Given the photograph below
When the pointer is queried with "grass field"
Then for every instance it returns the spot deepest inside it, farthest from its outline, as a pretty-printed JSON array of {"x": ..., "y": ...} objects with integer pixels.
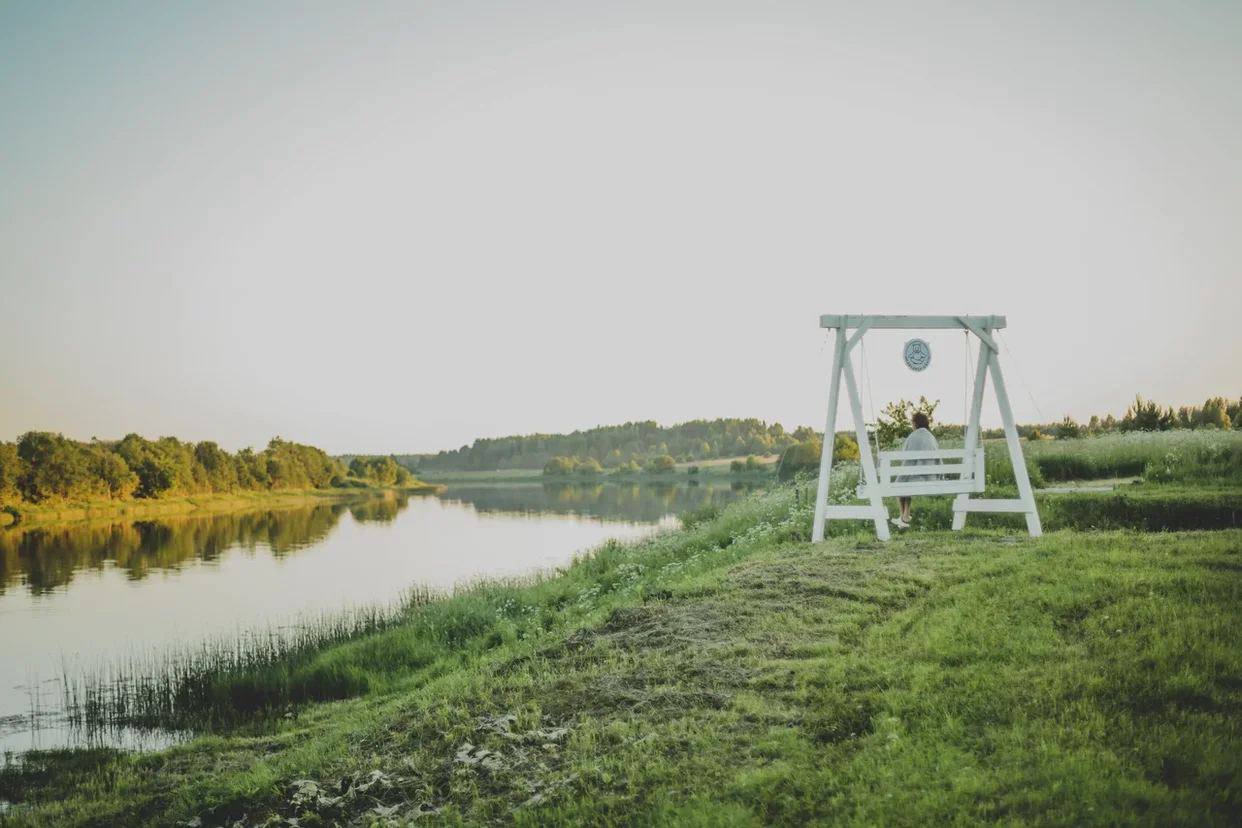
[{"x": 731, "y": 673}]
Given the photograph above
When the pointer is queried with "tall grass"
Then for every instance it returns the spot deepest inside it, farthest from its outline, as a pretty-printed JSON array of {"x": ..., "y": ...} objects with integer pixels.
[
  {"x": 220, "y": 680},
  {"x": 1202, "y": 456}
]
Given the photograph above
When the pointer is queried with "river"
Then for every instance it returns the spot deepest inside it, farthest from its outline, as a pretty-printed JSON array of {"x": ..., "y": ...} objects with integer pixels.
[{"x": 75, "y": 598}]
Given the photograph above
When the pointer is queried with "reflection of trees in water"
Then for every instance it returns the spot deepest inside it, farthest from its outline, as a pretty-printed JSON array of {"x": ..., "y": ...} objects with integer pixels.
[
  {"x": 48, "y": 558},
  {"x": 379, "y": 510},
  {"x": 639, "y": 502}
]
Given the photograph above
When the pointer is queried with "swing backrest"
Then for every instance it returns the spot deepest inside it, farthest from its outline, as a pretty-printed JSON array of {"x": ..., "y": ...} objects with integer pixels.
[{"x": 952, "y": 471}]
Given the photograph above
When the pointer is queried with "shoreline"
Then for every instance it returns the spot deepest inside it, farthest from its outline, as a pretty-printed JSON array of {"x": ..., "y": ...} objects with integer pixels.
[{"x": 81, "y": 512}]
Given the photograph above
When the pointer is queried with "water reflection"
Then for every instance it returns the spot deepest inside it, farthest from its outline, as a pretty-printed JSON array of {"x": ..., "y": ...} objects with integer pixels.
[
  {"x": 640, "y": 502},
  {"x": 48, "y": 559}
]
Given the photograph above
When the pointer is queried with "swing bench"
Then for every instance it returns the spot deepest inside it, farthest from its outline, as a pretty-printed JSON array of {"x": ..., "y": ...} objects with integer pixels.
[
  {"x": 950, "y": 471},
  {"x": 957, "y": 472}
]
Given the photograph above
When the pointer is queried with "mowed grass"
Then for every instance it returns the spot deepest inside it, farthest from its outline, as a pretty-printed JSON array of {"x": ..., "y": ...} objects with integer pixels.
[{"x": 733, "y": 674}]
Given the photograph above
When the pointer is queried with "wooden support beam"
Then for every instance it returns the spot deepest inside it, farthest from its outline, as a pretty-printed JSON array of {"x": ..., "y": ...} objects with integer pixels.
[
  {"x": 994, "y": 505},
  {"x": 830, "y": 432},
  {"x": 909, "y": 322}
]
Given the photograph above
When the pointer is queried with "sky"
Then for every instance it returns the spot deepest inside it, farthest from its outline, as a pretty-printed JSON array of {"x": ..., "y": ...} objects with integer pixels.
[{"x": 396, "y": 227}]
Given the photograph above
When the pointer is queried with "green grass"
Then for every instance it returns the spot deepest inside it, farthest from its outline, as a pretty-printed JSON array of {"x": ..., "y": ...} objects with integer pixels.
[
  {"x": 1162, "y": 456},
  {"x": 732, "y": 673}
]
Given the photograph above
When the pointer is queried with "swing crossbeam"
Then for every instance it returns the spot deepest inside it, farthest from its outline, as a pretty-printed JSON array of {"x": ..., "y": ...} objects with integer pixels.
[{"x": 953, "y": 471}]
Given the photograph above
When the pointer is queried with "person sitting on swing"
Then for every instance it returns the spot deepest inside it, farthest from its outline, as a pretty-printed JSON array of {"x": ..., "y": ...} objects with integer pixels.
[{"x": 920, "y": 439}]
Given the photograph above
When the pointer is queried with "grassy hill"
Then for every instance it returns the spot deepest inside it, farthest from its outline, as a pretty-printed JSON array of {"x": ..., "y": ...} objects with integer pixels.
[{"x": 732, "y": 673}]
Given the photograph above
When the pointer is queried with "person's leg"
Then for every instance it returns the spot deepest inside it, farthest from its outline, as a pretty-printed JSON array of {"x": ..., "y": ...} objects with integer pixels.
[{"x": 905, "y": 508}]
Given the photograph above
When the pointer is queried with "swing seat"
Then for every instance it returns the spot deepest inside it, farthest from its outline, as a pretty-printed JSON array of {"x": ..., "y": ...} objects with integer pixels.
[{"x": 952, "y": 471}]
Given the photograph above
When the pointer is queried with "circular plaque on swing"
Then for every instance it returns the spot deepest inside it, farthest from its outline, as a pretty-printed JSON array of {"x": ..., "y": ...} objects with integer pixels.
[{"x": 917, "y": 354}]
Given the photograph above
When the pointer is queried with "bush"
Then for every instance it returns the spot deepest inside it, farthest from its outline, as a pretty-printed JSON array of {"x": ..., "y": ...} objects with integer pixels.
[
  {"x": 804, "y": 457},
  {"x": 559, "y": 465},
  {"x": 663, "y": 463}
]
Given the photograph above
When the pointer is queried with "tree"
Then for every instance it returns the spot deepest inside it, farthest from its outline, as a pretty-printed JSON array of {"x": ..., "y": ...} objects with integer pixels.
[
  {"x": 663, "y": 463},
  {"x": 589, "y": 467},
  {"x": 10, "y": 471},
  {"x": 1215, "y": 414},
  {"x": 805, "y": 457},
  {"x": 894, "y": 422},
  {"x": 113, "y": 472},
  {"x": 220, "y": 470},
  {"x": 54, "y": 467},
  {"x": 1067, "y": 429},
  {"x": 559, "y": 465},
  {"x": 1145, "y": 415}
]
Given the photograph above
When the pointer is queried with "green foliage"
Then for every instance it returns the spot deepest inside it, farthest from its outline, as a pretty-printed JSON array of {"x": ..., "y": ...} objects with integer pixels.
[
  {"x": 559, "y": 465},
  {"x": 1068, "y": 429},
  {"x": 44, "y": 466},
  {"x": 589, "y": 467},
  {"x": 613, "y": 446},
  {"x": 661, "y": 464},
  {"x": 382, "y": 471},
  {"x": 1145, "y": 415},
  {"x": 894, "y": 423},
  {"x": 10, "y": 473},
  {"x": 54, "y": 467},
  {"x": 803, "y": 458}
]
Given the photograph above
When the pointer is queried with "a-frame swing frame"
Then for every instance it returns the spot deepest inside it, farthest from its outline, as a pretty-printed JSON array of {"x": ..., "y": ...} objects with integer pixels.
[{"x": 849, "y": 331}]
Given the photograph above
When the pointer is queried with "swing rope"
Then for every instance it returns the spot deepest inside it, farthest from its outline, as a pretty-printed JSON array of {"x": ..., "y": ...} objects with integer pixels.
[
  {"x": 1021, "y": 378},
  {"x": 874, "y": 429}
]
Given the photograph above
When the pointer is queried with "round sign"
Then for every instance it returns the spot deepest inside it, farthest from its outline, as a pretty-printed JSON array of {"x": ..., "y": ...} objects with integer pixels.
[{"x": 917, "y": 354}]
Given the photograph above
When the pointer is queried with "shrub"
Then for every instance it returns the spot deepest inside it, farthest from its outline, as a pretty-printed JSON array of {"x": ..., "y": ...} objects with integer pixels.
[
  {"x": 663, "y": 463},
  {"x": 559, "y": 465},
  {"x": 804, "y": 457}
]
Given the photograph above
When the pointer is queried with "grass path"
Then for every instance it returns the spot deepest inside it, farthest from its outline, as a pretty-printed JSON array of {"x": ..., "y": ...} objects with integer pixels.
[{"x": 732, "y": 675}]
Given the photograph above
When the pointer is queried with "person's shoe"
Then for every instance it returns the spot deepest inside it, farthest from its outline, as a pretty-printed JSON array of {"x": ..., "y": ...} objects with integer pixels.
[{"x": 899, "y": 523}]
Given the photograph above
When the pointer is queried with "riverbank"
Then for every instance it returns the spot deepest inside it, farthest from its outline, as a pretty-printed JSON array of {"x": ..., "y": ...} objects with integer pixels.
[
  {"x": 69, "y": 512},
  {"x": 731, "y": 672}
]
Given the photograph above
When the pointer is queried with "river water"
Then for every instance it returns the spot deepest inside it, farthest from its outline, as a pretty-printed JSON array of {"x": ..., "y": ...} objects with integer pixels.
[{"x": 76, "y": 598}]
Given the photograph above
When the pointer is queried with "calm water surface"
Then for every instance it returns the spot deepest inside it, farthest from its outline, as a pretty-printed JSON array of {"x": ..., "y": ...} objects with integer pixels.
[{"x": 72, "y": 599}]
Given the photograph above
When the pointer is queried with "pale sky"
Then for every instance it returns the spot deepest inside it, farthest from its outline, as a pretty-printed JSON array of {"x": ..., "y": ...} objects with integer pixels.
[{"x": 384, "y": 227}]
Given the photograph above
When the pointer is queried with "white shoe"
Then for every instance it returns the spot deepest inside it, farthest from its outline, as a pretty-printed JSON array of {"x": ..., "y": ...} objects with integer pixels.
[{"x": 899, "y": 523}]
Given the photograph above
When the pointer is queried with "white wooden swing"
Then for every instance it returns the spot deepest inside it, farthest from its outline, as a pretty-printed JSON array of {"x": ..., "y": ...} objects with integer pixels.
[{"x": 955, "y": 471}]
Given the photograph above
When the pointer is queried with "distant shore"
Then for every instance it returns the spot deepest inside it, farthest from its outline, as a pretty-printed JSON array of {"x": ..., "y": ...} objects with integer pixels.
[
  {"x": 78, "y": 511},
  {"x": 716, "y": 470}
]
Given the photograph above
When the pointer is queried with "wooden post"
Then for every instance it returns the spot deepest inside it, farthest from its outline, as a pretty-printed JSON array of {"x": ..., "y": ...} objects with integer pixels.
[
  {"x": 972, "y": 428},
  {"x": 864, "y": 452},
  {"x": 830, "y": 430},
  {"x": 1025, "y": 496}
]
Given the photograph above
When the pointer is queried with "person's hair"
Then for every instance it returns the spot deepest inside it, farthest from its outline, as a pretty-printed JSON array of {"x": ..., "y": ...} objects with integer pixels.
[{"x": 921, "y": 420}]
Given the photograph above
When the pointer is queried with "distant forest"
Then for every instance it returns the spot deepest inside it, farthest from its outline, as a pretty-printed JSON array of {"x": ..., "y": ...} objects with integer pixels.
[
  {"x": 639, "y": 443},
  {"x": 43, "y": 466},
  {"x": 614, "y": 446}
]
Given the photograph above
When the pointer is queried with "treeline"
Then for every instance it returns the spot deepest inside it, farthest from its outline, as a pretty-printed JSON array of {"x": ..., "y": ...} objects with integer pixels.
[
  {"x": 893, "y": 422},
  {"x": 614, "y": 447},
  {"x": 43, "y": 466},
  {"x": 1145, "y": 415}
]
